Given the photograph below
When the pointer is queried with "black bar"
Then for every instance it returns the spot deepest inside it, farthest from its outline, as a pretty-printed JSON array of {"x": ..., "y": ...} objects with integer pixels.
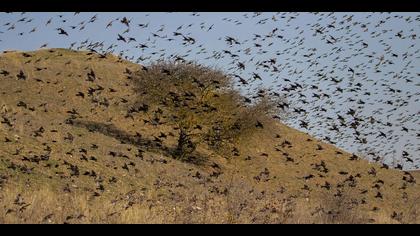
[{"x": 210, "y": 5}]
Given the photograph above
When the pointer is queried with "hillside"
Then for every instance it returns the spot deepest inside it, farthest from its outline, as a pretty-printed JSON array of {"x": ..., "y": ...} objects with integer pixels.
[{"x": 69, "y": 153}]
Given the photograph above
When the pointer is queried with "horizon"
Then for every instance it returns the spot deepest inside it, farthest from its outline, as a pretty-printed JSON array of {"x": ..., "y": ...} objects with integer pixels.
[{"x": 309, "y": 50}]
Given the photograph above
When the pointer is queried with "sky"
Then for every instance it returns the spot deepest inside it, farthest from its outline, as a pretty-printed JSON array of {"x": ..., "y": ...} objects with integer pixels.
[{"x": 368, "y": 62}]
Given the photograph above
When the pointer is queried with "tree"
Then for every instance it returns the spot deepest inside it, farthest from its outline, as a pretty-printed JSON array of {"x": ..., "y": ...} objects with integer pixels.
[{"x": 199, "y": 101}]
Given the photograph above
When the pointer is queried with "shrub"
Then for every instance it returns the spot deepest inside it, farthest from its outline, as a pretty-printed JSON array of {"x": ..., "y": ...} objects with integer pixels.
[{"x": 200, "y": 102}]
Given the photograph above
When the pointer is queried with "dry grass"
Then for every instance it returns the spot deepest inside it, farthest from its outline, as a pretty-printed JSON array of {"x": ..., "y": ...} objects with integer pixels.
[
  {"x": 45, "y": 206},
  {"x": 107, "y": 171}
]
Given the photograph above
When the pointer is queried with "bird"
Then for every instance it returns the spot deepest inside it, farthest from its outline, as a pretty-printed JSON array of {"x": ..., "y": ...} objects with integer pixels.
[
  {"x": 21, "y": 75},
  {"x": 336, "y": 84},
  {"x": 62, "y": 32},
  {"x": 4, "y": 73},
  {"x": 125, "y": 21},
  {"x": 259, "y": 125},
  {"x": 121, "y": 38},
  {"x": 91, "y": 76}
]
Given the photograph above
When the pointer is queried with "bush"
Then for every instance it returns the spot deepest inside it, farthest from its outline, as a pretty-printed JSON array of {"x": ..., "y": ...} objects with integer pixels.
[{"x": 200, "y": 102}]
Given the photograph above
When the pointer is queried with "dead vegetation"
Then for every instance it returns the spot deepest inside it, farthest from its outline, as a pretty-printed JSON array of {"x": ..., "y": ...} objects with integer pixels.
[
  {"x": 201, "y": 103},
  {"x": 107, "y": 156}
]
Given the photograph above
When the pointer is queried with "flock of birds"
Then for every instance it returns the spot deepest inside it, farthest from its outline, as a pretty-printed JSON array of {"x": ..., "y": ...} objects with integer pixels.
[{"x": 349, "y": 79}]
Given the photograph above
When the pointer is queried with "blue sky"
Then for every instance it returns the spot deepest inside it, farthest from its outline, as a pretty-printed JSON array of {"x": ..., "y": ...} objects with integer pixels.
[{"x": 309, "y": 49}]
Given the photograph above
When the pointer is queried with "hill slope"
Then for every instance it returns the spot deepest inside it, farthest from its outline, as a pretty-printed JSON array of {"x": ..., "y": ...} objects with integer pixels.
[{"x": 69, "y": 153}]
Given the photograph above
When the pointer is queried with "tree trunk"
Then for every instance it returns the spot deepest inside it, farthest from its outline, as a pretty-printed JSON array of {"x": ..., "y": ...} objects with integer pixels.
[{"x": 185, "y": 145}]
